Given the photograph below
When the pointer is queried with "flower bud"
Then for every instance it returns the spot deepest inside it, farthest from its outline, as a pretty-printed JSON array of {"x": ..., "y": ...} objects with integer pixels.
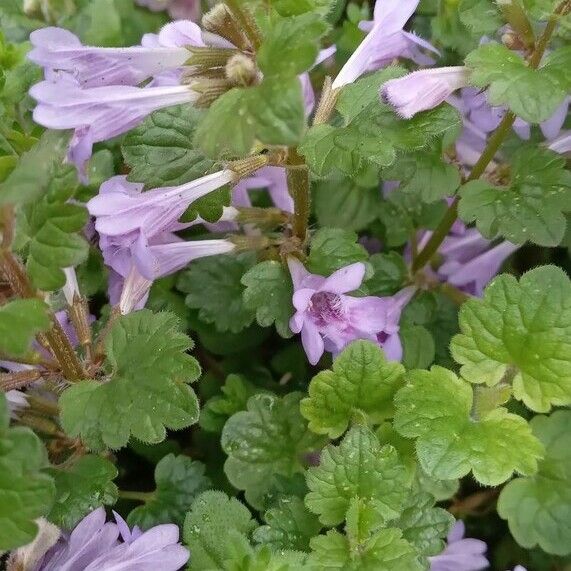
[
  {"x": 241, "y": 70},
  {"x": 220, "y": 21}
]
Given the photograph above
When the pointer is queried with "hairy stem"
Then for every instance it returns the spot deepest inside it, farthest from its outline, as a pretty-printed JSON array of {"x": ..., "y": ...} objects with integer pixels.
[
  {"x": 55, "y": 338},
  {"x": 489, "y": 152},
  {"x": 298, "y": 187}
]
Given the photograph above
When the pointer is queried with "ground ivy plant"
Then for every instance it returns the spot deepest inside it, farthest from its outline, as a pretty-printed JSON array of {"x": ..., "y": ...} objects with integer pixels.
[{"x": 284, "y": 285}]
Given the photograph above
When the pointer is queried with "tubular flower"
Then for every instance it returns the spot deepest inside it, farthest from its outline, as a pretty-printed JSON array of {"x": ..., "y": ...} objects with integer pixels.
[
  {"x": 424, "y": 89},
  {"x": 328, "y": 320},
  {"x": 95, "y": 544},
  {"x": 161, "y": 259},
  {"x": 57, "y": 49},
  {"x": 461, "y": 554},
  {"x": 272, "y": 178},
  {"x": 98, "y": 113},
  {"x": 385, "y": 41},
  {"x": 121, "y": 209},
  {"x": 468, "y": 260}
]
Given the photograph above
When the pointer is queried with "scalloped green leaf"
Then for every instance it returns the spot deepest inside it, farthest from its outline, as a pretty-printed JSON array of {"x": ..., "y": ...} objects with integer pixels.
[
  {"x": 361, "y": 382},
  {"x": 520, "y": 330},
  {"x": 538, "y": 508},
  {"x": 435, "y": 407},
  {"x": 147, "y": 391}
]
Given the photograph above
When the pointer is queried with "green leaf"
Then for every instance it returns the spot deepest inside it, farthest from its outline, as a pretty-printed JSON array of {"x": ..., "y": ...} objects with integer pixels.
[
  {"x": 385, "y": 550},
  {"x": 362, "y": 382},
  {"x": 481, "y": 17},
  {"x": 50, "y": 233},
  {"x": 532, "y": 94},
  {"x": 288, "y": 525},
  {"x": 25, "y": 492},
  {"x": 530, "y": 208},
  {"x": 217, "y": 530},
  {"x": 20, "y": 320},
  {"x": 343, "y": 204},
  {"x": 214, "y": 287},
  {"x": 35, "y": 170},
  {"x": 271, "y": 113},
  {"x": 179, "y": 480},
  {"x": 520, "y": 330},
  {"x": 371, "y": 132},
  {"x": 269, "y": 438},
  {"x": 359, "y": 468},
  {"x": 333, "y": 248},
  {"x": 147, "y": 391},
  {"x": 418, "y": 346},
  {"x": 439, "y": 315},
  {"x": 86, "y": 485},
  {"x": 217, "y": 410},
  {"x": 424, "y": 525},
  {"x": 402, "y": 213},
  {"x": 160, "y": 150},
  {"x": 538, "y": 509},
  {"x": 209, "y": 207},
  {"x": 390, "y": 272},
  {"x": 425, "y": 175},
  {"x": 269, "y": 293},
  {"x": 294, "y": 7},
  {"x": 291, "y": 45},
  {"x": 435, "y": 407}
]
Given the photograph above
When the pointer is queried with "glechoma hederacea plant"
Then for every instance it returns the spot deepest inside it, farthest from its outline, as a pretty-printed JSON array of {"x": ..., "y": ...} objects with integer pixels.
[{"x": 283, "y": 285}]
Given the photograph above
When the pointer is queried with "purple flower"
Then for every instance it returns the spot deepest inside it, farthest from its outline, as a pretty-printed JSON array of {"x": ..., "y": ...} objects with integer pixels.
[
  {"x": 385, "y": 41},
  {"x": 561, "y": 144},
  {"x": 460, "y": 554},
  {"x": 94, "y": 545},
  {"x": 328, "y": 320},
  {"x": 272, "y": 178},
  {"x": 306, "y": 87},
  {"x": 57, "y": 49},
  {"x": 130, "y": 293},
  {"x": 98, "y": 113},
  {"x": 469, "y": 261},
  {"x": 424, "y": 89},
  {"x": 177, "y": 9},
  {"x": 122, "y": 213},
  {"x": 16, "y": 400},
  {"x": 473, "y": 104},
  {"x": 155, "y": 260}
]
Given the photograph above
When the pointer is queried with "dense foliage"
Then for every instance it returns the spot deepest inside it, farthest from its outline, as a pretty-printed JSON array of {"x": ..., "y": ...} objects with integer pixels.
[{"x": 284, "y": 283}]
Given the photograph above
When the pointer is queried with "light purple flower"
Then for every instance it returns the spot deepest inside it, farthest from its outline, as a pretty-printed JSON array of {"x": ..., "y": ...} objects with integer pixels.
[
  {"x": 129, "y": 293},
  {"x": 98, "y": 113},
  {"x": 306, "y": 87},
  {"x": 329, "y": 320},
  {"x": 155, "y": 260},
  {"x": 272, "y": 178},
  {"x": 94, "y": 545},
  {"x": 177, "y": 9},
  {"x": 461, "y": 554},
  {"x": 469, "y": 261},
  {"x": 561, "y": 144},
  {"x": 385, "y": 41},
  {"x": 122, "y": 212},
  {"x": 17, "y": 400},
  {"x": 57, "y": 49},
  {"x": 424, "y": 89},
  {"x": 519, "y": 568}
]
